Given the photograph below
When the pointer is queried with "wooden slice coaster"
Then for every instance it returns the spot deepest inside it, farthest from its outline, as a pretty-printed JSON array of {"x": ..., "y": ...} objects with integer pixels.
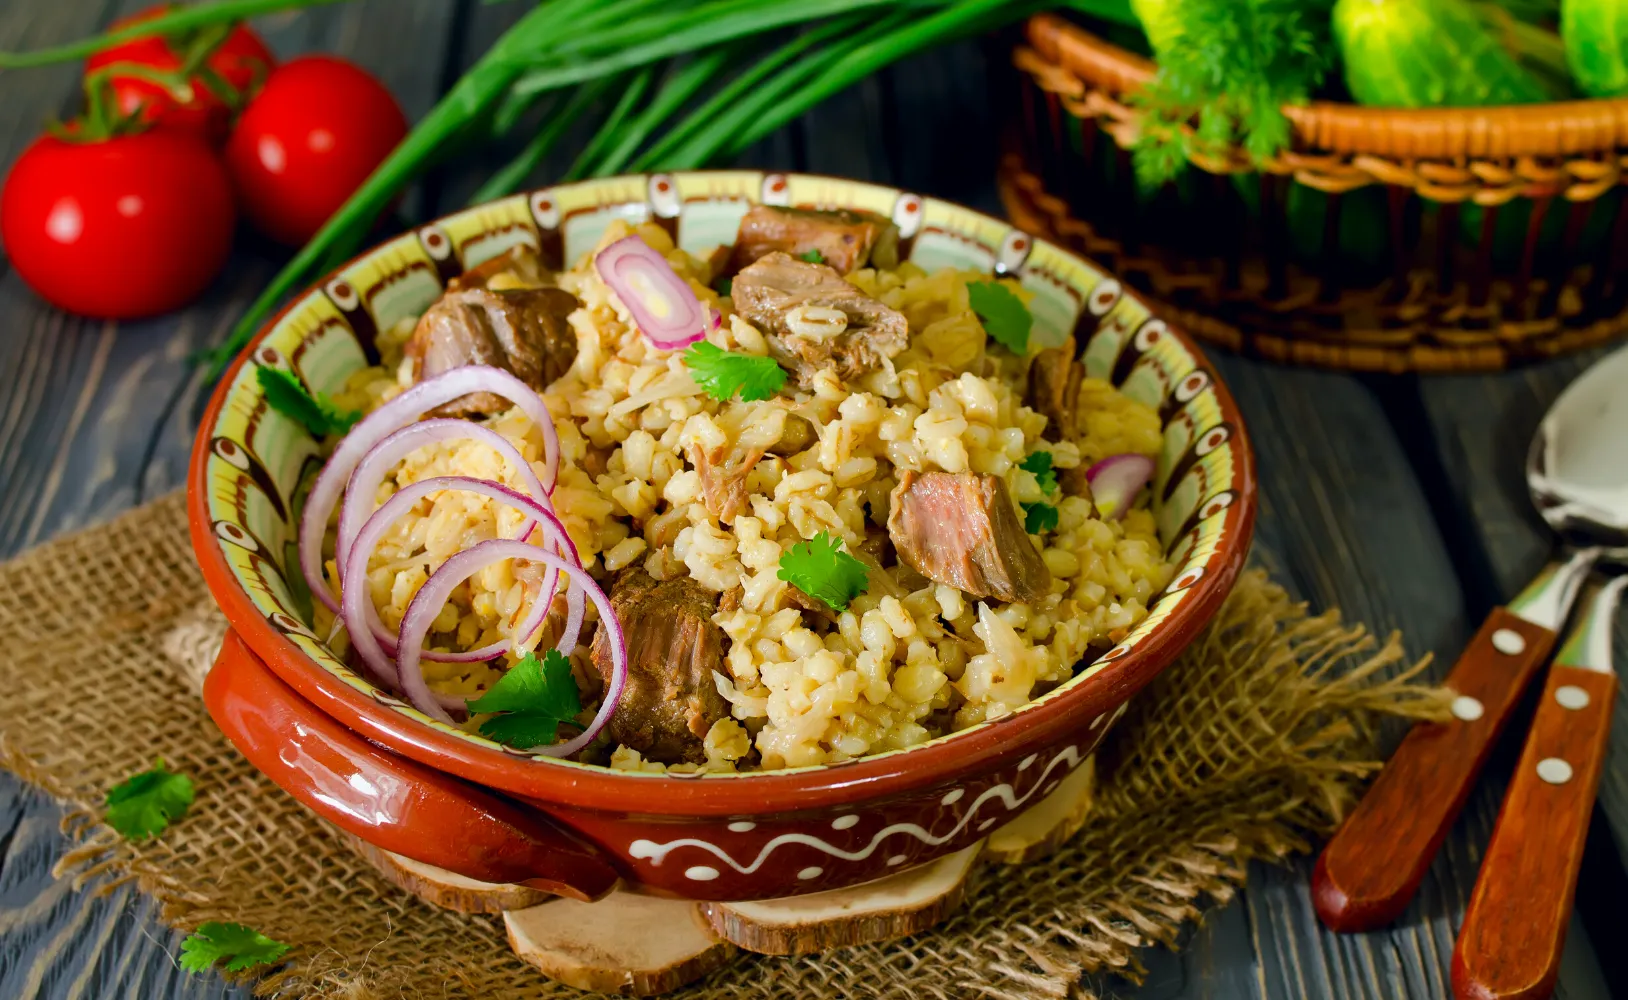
[
  {"x": 1049, "y": 823},
  {"x": 443, "y": 888},
  {"x": 588, "y": 946},
  {"x": 889, "y": 908},
  {"x": 626, "y": 943}
]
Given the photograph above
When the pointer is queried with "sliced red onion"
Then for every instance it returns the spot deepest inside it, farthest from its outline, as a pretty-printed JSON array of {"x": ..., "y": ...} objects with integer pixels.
[
  {"x": 370, "y": 472},
  {"x": 406, "y": 409},
  {"x": 427, "y": 603},
  {"x": 367, "y": 633},
  {"x": 663, "y": 306},
  {"x": 1116, "y": 480}
]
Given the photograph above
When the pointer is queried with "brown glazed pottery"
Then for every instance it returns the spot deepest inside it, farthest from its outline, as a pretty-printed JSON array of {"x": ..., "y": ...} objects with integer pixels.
[{"x": 370, "y": 763}]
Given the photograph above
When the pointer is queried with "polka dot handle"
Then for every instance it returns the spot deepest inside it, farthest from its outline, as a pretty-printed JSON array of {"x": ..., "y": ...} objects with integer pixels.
[
  {"x": 1515, "y": 925},
  {"x": 1372, "y": 867}
]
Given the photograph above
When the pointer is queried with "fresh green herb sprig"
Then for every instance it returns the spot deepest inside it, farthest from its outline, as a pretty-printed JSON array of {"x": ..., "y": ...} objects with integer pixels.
[
  {"x": 239, "y": 947},
  {"x": 724, "y": 374},
  {"x": 530, "y": 701},
  {"x": 1002, "y": 313},
  {"x": 821, "y": 569},
  {"x": 1039, "y": 518},
  {"x": 812, "y": 257},
  {"x": 287, "y": 396},
  {"x": 147, "y": 803},
  {"x": 1230, "y": 65},
  {"x": 1039, "y": 463}
]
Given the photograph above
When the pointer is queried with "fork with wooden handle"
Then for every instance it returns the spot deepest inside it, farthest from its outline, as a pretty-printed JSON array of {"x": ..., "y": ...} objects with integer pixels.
[
  {"x": 1515, "y": 925},
  {"x": 1372, "y": 867}
]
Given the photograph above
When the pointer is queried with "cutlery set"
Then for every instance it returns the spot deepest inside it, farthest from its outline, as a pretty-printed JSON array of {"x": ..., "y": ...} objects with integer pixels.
[{"x": 1514, "y": 926}]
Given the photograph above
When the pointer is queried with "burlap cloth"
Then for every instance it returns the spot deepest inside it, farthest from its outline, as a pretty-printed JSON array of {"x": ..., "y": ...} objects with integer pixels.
[{"x": 1253, "y": 743}]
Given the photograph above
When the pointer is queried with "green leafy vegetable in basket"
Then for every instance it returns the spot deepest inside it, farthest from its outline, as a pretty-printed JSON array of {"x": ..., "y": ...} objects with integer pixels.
[
  {"x": 1427, "y": 53},
  {"x": 1596, "y": 38},
  {"x": 1226, "y": 68}
]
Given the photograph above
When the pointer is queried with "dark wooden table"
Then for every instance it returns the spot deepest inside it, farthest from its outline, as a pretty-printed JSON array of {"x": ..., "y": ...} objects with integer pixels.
[{"x": 1397, "y": 499}]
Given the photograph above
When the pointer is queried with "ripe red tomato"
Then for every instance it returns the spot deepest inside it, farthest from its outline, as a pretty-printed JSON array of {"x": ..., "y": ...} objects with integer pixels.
[
  {"x": 242, "y": 61},
  {"x": 315, "y": 132},
  {"x": 128, "y": 227}
]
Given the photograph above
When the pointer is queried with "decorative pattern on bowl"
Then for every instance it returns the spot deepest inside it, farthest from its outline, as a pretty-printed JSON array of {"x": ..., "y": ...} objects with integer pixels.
[{"x": 252, "y": 464}]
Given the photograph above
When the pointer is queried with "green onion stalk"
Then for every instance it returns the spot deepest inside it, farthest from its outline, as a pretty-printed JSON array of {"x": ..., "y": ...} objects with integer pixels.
[{"x": 658, "y": 56}]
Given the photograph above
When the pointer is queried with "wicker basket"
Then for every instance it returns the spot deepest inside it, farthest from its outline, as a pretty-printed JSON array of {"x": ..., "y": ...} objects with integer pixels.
[{"x": 1383, "y": 240}]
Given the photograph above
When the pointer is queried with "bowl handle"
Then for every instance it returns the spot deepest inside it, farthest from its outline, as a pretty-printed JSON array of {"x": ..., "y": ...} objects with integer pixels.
[{"x": 388, "y": 800}]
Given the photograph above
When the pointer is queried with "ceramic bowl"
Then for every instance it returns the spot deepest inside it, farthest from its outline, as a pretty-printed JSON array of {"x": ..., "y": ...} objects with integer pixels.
[{"x": 373, "y": 765}]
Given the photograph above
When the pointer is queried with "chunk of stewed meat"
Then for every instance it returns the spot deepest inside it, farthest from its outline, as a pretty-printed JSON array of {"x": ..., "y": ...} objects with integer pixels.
[
  {"x": 845, "y": 240},
  {"x": 1054, "y": 390},
  {"x": 671, "y": 699},
  {"x": 522, "y": 330},
  {"x": 814, "y": 320},
  {"x": 960, "y": 529},
  {"x": 723, "y": 480},
  {"x": 518, "y": 267}
]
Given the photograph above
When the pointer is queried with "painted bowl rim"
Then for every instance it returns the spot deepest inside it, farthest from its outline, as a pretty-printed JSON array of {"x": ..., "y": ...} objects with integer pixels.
[{"x": 1044, "y": 722}]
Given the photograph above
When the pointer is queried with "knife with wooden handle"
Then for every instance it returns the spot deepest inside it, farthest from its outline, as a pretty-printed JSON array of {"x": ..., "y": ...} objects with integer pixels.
[
  {"x": 1372, "y": 868},
  {"x": 1509, "y": 946}
]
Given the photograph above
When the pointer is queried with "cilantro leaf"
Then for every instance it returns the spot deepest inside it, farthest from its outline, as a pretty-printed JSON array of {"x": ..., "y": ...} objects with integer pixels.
[
  {"x": 1002, "y": 313},
  {"x": 724, "y": 287},
  {"x": 721, "y": 374},
  {"x": 531, "y": 700},
  {"x": 287, "y": 396},
  {"x": 144, "y": 805},
  {"x": 1039, "y": 518},
  {"x": 1039, "y": 463},
  {"x": 822, "y": 570},
  {"x": 241, "y": 947},
  {"x": 812, "y": 256},
  {"x": 522, "y": 730}
]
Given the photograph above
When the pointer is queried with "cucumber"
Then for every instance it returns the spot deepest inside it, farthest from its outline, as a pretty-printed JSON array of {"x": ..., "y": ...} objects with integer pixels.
[
  {"x": 1426, "y": 53},
  {"x": 1596, "y": 37}
]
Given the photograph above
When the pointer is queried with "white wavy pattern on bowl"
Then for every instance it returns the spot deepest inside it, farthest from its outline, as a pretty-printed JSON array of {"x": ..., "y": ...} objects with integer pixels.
[
  {"x": 1001, "y": 793},
  {"x": 261, "y": 463}
]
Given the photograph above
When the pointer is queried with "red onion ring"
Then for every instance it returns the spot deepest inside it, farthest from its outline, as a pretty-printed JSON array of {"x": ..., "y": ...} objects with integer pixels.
[
  {"x": 357, "y": 503},
  {"x": 387, "y": 641},
  {"x": 406, "y": 409},
  {"x": 1116, "y": 480},
  {"x": 361, "y": 618},
  {"x": 427, "y": 603},
  {"x": 662, "y": 304}
]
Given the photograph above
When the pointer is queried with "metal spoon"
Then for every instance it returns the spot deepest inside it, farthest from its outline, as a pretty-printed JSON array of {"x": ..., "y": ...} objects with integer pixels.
[{"x": 1578, "y": 475}]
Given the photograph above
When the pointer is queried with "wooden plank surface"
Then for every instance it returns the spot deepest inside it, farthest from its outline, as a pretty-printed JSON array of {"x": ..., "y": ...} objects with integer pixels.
[{"x": 95, "y": 417}]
